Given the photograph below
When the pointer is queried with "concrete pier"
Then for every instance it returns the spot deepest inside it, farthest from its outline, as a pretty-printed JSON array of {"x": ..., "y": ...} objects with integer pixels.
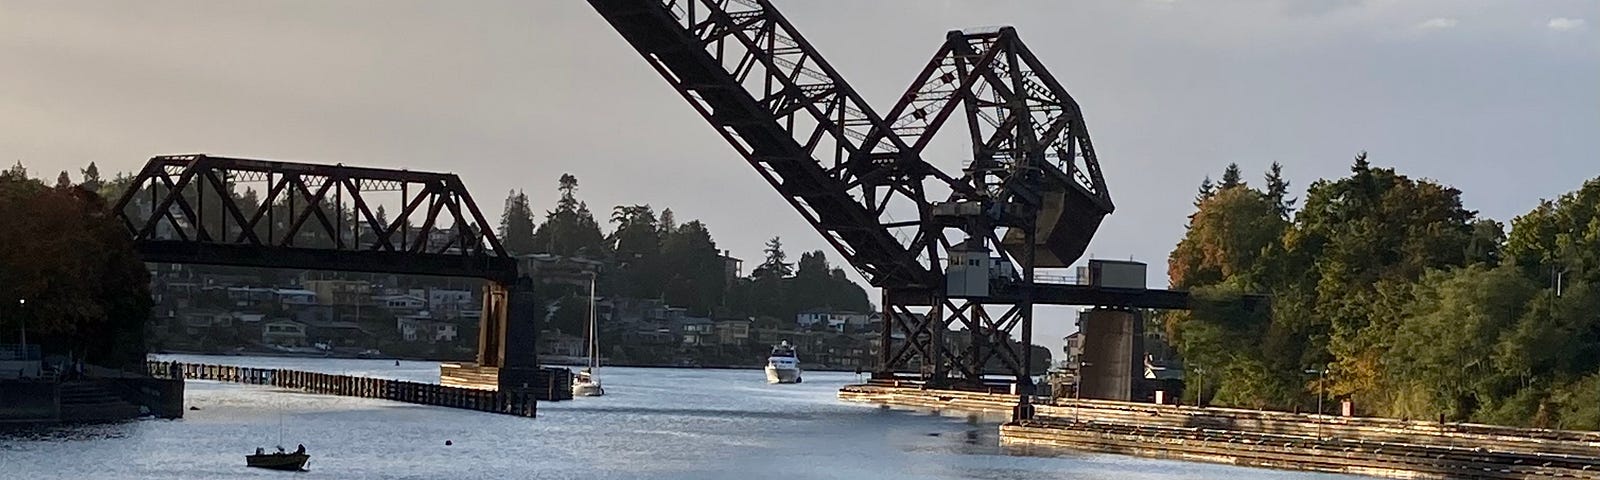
[
  {"x": 517, "y": 403},
  {"x": 1324, "y": 443}
]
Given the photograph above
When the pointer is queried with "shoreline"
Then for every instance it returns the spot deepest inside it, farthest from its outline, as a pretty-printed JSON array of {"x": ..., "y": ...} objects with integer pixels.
[{"x": 341, "y": 356}]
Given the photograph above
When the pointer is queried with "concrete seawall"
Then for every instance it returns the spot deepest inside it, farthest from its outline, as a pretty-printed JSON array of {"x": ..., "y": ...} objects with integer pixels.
[
  {"x": 29, "y": 401},
  {"x": 1356, "y": 445}
]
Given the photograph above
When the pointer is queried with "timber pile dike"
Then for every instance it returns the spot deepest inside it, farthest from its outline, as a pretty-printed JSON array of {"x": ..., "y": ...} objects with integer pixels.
[
  {"x": 1353, "y": 445},
  {"x": 522, "y": 404}
]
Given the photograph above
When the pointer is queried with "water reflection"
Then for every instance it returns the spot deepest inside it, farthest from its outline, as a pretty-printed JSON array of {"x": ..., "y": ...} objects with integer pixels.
[{"x": 653, "y": 423}]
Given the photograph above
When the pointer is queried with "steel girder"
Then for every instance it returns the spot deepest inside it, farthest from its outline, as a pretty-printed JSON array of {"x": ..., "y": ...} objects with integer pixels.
[
  {"x": 185, "y": 209},
  {"x": 847, "y": 170}
]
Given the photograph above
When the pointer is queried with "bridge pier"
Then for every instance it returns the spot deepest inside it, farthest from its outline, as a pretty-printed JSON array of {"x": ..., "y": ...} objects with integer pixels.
[{"x": 508, "y": 358}]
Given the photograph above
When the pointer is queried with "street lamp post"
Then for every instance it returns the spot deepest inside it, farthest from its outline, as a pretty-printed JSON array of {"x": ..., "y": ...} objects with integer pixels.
[
  {"x": 22, "y": 321},
  {"x": 1077, "y": 390},
  {"x": 1321, "y": 388}
]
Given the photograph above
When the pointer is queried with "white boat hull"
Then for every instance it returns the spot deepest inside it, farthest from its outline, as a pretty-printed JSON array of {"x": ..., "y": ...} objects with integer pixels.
[
  {"x": 587, "y": 390},
  {"x": 783, "y": 375}
]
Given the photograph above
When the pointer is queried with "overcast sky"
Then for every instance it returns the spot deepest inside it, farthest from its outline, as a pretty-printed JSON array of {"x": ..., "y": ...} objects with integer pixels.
[{"x": 1500, "y": 99}]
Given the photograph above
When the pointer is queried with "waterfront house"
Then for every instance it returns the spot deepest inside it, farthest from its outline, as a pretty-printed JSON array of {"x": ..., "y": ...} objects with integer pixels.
[
  {"x": 405, "y": 303},
  {"x": 832, "y": 319},
  {"x": 422, "y": 327},
  {"x": 294, "y": 297},
  {"x": 733, "y": 331},
  {"x": 696, "y": 331},
  {"x": 341, "y": 292},
  {"x": 287, "y": 333},
  {"x": 559, "y": 344},
  {"x": 338, "y": 334}
]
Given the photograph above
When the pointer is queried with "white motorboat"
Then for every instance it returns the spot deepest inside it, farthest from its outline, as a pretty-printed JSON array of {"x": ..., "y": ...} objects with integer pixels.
[
  {"x": 782, "y": 365},
  {"x": 587, "y": 383}
]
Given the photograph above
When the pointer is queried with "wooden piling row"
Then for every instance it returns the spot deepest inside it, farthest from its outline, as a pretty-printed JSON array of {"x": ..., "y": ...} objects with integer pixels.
[{"x": 522, "y": 404}]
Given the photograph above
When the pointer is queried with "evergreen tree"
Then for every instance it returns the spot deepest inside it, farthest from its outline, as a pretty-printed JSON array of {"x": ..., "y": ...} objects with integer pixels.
[
  {"x": 668, "y": 222},
  {"x": 693, "y": 268},
  {"x": 1207, "y": 189},
  {"x": 570, "y": 229},
  {"x": 91, "y": 178},
  {"x": 63, "y": 181},
  {"x": 637, "y": 244},
  {"x": 516, "y": 225},
  {"x": 1231, "y": 177},
  {"x": 774, "y": 266},
  {"x": 1278, "y": 190}
]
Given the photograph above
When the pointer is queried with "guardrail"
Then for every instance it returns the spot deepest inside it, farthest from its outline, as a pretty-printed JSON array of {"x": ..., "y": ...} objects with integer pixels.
[
  {"x": 518, "y": 403},
  {"x": 12, "y": 351}
]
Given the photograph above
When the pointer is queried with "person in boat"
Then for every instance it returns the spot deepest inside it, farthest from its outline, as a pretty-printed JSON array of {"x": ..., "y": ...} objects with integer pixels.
[
  {"x": 261, "y": 451},
  {"x": 280, "y": 449},
  {"x": 301, "y": 450}
]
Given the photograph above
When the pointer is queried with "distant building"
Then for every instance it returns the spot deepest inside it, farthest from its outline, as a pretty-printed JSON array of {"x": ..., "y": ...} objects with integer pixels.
[
  {"x": 561, "y": 344},
  {"x": 552, "y": 268},
  {"x": 732, "y": 331},
  {"x": 835, "y": 320},
  {"x": 338, "y": 334},
  {"x": 451, "y": 302},
  {"x": 251, "y": 296},
  {"x": 287, "y": 333},
  {"x": 401, "y": 303},
  {"x": 293, "y": 297},
  {"x": 202, "y": 321},
  {"x": 732, "y": 268},
  {"x": 341, "y": 292},
  {"x": 696, "y": 331},
  {"x": 1073, "y": 347},
  {"x": 424, "y": 328}
]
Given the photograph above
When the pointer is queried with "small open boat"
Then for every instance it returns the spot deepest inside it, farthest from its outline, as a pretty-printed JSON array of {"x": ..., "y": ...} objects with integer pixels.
[{"x": 279, "y": 460}]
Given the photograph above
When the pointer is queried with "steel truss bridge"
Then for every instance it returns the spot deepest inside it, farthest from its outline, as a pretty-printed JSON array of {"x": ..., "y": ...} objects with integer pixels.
[
  {"x": 188, "y": 209},
  {"x": 1031, "y": 196}
]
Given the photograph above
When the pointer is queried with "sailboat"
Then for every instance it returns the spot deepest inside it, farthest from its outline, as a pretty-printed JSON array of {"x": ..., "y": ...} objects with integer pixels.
[
  {"x": 587, "y": 383},
  {"x": 279, "y": 460}
]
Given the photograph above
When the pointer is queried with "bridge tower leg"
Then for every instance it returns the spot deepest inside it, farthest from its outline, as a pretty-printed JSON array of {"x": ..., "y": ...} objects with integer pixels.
[{"x": 508, "y": 333}]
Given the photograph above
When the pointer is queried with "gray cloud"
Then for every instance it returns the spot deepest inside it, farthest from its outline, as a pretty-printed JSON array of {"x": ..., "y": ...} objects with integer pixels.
[{"x": 1562, "y": 24}]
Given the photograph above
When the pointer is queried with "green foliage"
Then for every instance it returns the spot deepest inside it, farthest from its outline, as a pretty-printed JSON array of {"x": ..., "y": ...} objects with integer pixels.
[
  {"x": 1446, "y": 338},
  {"x": 1415, "y": 307},
  {"x": 570, "y": 229},
  {"x": 775, "y": 265},
  {"x": 516, "y": 225},
  {"x": 86, "y": 290},
  {"x": 1278, "y": 191},
  {"x": 694, "y": 268},
  {"x": 1231, "y": 178}
]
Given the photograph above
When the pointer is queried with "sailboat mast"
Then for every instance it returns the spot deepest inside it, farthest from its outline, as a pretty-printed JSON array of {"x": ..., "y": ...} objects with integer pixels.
[{"x": 594, "y": 334}]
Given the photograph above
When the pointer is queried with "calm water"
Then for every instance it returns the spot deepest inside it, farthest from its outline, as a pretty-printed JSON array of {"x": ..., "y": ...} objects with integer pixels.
[{"x": 653, "y": 423}]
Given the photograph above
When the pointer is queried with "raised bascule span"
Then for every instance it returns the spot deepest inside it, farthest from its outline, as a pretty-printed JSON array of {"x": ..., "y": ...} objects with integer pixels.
[{"x": 947, "y": 247}]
